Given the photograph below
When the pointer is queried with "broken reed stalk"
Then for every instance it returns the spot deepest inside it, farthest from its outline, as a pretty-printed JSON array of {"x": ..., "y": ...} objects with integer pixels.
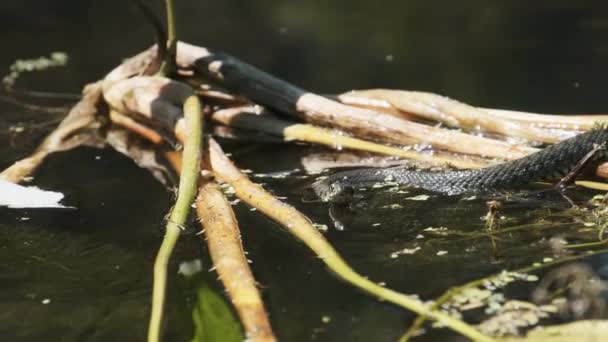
[
  {"x": 223, "y": 238},
  {"x": 300, "y": 226},
  {"x": 246, "y": 118},
  {"x": 186, "y": 193},
  {"x": 378, "y": 99},
  {"x": 447, "y": 295},
  {"x": 592, "y": 185},
  {"x": 142, "y": 130},
  {"x": 572, "y": 122},
  {"x": 453, "y": 113},
  {"x": 264, "y": 89}
]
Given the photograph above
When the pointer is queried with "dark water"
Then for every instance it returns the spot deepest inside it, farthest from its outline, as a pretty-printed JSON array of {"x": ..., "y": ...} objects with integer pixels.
[{"x": 94, "y": 263}]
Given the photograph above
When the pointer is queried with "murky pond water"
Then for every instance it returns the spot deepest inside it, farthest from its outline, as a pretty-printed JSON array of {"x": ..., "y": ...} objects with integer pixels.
[{"x": 85, "y": 274}]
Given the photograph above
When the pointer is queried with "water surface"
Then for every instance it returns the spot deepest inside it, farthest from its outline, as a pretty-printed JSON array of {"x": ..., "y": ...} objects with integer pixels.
[{"x": 92, "y": 266}]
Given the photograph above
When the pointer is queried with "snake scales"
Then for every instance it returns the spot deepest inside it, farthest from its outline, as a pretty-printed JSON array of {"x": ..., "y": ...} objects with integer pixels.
[{"x": 550, "y": 163}]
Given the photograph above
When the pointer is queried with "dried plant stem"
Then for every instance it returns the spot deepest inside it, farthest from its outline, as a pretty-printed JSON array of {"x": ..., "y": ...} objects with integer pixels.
[
  {"x": 24, "y": 168},
  {"x": 287, "y": 99},
  {"x": 602, "y": 170},
  {"x": 421, "y": 104},
  {"x": 224, "y": 241},
  {"x": 299, "y": 226},
  {"x": 186, "y": 193},
  {"x": 453, "y": 113},
  {"x": 78, "y": 128},
  {"x": 310, "y": 133},
  {"x": 142, "y": 130},
  {"x": 223, "y": 237},
  {"x": 244, "y": 117},
  {"x": 572, "y": 122},
  {"x": 592, "y": 185}
]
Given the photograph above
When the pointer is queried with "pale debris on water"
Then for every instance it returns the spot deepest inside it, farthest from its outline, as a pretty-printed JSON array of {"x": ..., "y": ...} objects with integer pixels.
[
  {"x": 227, "y": 189},
  {"x": 407, "y": 251},
  {"x": 393, "y": 206},
  {"x": 17, "y": 196},
  {"x": 442, "y": 231},
  {"x": 513, "y": 316},
  {"x": 279, "y": 174},
  {"x": 190, "y": 268},
  {"x": 419, "y": 198},
  {"x": 321, "y": 227}
]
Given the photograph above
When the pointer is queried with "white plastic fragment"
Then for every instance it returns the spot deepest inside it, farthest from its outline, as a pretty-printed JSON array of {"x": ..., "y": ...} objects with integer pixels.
[{"x": 18, "y": 196}]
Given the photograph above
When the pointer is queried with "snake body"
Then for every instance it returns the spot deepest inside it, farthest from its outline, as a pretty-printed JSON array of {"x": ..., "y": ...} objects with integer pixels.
[{"x": 550, "y": 163}]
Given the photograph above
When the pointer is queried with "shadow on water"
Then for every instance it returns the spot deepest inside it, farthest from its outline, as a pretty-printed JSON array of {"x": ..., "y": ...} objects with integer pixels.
[{"x": 92, "y": 266}]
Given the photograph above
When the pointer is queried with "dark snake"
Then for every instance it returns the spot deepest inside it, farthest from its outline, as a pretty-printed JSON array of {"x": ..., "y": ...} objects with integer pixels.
[{"x": 549, "y": 163}]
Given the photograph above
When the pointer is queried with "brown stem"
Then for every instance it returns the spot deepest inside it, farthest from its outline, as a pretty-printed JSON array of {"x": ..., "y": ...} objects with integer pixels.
[
  {"x": 454, "y": 113},
  {"x": 223, "y": 237},
  {"x": 246, "y": 118}
]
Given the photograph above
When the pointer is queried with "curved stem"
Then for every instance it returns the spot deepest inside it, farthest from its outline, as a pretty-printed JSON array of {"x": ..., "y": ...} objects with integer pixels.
[{"x": 186, "y": 193}]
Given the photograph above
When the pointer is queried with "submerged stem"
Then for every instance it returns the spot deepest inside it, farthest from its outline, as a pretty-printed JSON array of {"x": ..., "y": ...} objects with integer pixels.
[{"x": 186, "y": 193}]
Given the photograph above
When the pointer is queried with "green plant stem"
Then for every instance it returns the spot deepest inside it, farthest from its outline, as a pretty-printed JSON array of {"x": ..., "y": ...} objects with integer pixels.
[
  {"x": 587, "y": 245},
  {"x": 168, "y": 66},
  {"x": 336, "y": 264},
  {"x": 170, "y": 9},
  {"x": 187, "y": 190}
]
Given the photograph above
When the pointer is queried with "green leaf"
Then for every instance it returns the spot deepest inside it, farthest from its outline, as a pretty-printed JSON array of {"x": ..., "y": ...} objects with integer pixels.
[{"x": 213, "y": 318}]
